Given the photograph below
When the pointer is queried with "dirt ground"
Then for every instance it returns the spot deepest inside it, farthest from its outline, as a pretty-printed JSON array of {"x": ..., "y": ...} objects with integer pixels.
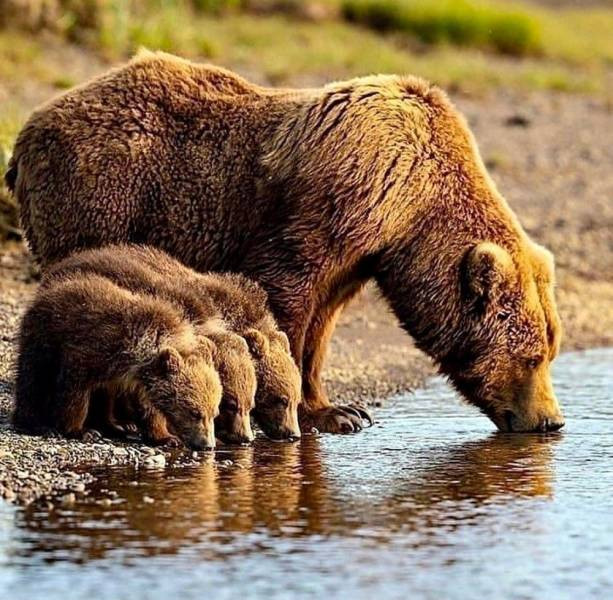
[{"x": 551, "y": 157}]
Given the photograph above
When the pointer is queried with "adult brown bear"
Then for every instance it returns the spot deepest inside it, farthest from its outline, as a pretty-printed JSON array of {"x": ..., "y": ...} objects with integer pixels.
[{"x": 312, "y": 193}]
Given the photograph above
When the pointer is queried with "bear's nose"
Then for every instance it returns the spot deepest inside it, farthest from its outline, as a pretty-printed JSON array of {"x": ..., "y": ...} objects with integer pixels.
[{"x": 550, "y": 425}]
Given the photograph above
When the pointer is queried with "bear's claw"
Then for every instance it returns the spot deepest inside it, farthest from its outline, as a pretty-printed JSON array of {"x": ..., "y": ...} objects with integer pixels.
[
  {"x": 337, "y": 419},
  {"x": 360, "y": 411}
]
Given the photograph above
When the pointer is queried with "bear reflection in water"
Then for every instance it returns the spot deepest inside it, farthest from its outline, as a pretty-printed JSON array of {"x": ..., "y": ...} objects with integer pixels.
[{"x": 293, "y": 490}]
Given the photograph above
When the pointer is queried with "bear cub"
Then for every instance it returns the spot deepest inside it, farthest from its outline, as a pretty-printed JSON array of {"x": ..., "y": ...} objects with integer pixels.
[
  {"x": 242, "y": 307},
  {"x": 84, "y": 334}
]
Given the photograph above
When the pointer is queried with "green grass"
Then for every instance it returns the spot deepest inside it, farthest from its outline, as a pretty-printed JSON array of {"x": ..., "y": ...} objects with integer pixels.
[
  {"x": 10, "y": 122},
  {"x": 475, "y": 23}
]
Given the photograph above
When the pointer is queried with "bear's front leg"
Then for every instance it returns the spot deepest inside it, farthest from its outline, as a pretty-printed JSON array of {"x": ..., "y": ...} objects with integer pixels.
[
  {"x": 316, "y": 411},
  {"x": 72, "y": 405}
]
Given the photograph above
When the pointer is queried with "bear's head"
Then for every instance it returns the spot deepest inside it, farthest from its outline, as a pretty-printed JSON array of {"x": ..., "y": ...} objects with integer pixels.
[
  {"x": 506, "y": 337},
  {"x": 187, "y": 390},
  {"x": 279, "y": 389},
  {"x": 239, "y": 383}
]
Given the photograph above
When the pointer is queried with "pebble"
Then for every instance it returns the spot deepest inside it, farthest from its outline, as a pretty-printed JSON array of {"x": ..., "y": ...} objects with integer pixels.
[
  {"x": 148, "y": 500},
  {"x": 68, "y": 499},
  {"x": 156, "y": 461}
]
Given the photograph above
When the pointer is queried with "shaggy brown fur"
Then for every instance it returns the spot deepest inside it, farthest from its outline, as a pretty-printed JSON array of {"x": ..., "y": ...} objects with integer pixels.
[
  {"x": 311, "y": 193},
  {"x": 238, "y": 381},
  {"x": 85, "y": 334},
  {"x": 242, "y": 306}
]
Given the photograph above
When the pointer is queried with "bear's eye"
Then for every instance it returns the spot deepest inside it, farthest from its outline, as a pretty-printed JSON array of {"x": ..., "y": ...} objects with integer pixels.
[
  {"x": 230, "y": 405},
  {"x": 503, "y": 316},
  {"x": 282, "y": 401},
  {"x": 196, "y": 414},
  {"x": 534, "y": 362}
]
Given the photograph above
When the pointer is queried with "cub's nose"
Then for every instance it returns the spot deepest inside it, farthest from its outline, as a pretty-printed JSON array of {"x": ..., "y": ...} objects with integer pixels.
[{"x": 202, "y": 443}]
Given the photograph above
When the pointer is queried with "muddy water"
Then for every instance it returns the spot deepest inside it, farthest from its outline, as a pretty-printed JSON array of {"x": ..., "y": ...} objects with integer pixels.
[{"x": 429, "y": 503}]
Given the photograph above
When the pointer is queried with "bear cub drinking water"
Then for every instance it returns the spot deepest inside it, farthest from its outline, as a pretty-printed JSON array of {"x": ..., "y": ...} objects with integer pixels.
[
  {"x": 248, "y": 331},
  {"x": 85, "y": 334}
]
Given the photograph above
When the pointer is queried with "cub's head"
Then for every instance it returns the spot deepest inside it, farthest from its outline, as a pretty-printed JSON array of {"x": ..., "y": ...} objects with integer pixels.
[
  {"x": 279, "y": 387},
  {"x": 507, "y": 336},
  {"x": 239, "y": 383},
  {"x": 187, "y": 391}
]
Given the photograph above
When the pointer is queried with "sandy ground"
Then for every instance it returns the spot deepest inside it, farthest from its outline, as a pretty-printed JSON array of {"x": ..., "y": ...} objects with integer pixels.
[{"x": 550, "y": 156}]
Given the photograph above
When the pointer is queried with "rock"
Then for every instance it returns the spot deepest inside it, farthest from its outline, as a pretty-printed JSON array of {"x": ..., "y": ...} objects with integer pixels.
[
  {"x": 518, "y": 120},
  {"x": 68, "y": 499},
  {"x": 148, "y": 500},
  {"x": 156, "y": 461}
]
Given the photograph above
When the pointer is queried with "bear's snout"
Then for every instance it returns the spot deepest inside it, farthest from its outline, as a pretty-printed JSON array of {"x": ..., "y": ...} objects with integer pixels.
[
  {"x": 515, "y": 424},
  {"x": 202, "y": 440},
  {"x": 548, "y": 424}
]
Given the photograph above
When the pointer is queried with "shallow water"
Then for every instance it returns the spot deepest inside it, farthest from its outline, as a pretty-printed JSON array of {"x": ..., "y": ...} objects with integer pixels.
[{"x": 428, "y": 503}]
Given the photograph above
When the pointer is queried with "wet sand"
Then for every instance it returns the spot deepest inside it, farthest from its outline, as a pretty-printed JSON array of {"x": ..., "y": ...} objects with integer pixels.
[{"x": 551, "y": 159}]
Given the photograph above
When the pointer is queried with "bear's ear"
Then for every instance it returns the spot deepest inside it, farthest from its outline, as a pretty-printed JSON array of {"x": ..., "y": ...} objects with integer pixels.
[
  {"x": 486, "y": 267},
  {"x": 282, "y": 338},
  {"x": 167, "y": 362},
  {"x": 257, "y": 342}
]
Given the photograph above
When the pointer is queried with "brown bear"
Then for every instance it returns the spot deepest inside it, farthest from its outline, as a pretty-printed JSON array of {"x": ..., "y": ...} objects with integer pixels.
[
  {"x": 242, "y": 306},
  {"x": 311, "y": 193},
  {"x": 85, "y": 334}
]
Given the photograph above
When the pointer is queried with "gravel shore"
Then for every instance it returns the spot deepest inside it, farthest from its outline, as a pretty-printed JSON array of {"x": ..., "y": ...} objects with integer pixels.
[{"x": 550, "y": 157}]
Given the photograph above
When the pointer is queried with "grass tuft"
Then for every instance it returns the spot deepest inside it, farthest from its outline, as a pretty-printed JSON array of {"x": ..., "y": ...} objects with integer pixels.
[{"x": 472, "y": 23}]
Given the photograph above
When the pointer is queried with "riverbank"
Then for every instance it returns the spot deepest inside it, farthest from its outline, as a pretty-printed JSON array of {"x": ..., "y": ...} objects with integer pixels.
[{"x": 550, "y": 158}]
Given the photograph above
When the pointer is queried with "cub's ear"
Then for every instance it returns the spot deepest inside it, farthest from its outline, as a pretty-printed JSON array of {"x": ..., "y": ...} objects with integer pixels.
[
  {"x": 485, "y": 268},
  {"x": 257, "y": 342},
  {"x": 168, "y": 361},
  {"x": 282, "y": 338}
]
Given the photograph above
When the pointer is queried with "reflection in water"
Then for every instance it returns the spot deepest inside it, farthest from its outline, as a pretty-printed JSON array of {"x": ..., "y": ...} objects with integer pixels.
[
  {"x": 427, "y": 500},
  {"x": 285, "y": 490}
]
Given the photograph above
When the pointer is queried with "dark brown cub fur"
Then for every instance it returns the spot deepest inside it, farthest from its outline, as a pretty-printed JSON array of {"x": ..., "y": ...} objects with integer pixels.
[
  {"x": 239, "y": 302},
  {"x": 85, "y": 333}
]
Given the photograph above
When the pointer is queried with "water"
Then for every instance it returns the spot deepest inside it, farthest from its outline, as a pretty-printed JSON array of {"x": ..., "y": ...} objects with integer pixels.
[{"x": 429, "y": 503}]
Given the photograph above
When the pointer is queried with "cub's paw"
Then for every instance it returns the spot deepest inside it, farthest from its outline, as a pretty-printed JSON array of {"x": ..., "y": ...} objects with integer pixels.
[
  {"x": 336, "y": 419},
  {"x": 172, "y": 441},
  {"x": 130, "y": 428},
  {"x": 91, "y": 436}
]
